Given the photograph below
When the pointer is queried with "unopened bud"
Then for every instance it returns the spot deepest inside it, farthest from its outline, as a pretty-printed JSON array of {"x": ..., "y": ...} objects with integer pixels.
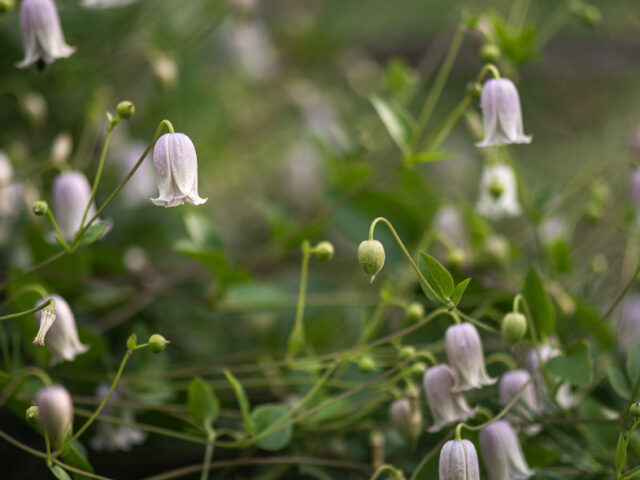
[
  {"x": 407, "y": 353},
  {"x": 40, "y": 208},
  {"x": 474, "y": 89},
  {"x": 132, "y": 341},
  {"x": 496, "y": 188},
  {"x": 32, "y": 415},
  {"x": 514, "y": 327},
  {"x": 157, "y": 343},
  {"x": 414, "y": 312},
  {"x": 125, "y": 109},
  {"x": 371, "y": 257},
  {"x": 406, "y": 419},
  {"x": 6, "y": 5},
  {"x": 490, "y": 52},
  {"x": 324, "y": 251},
  {"x": 55, "y": 409},
  {"x": 366, "y": 364},
  {"x": 634, "y": 409},
  {"x": 418, "y": 369}
]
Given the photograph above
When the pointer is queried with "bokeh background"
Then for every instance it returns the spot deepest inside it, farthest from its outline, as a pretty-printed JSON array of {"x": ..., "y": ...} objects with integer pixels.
[{"x": 274, "y": 95}]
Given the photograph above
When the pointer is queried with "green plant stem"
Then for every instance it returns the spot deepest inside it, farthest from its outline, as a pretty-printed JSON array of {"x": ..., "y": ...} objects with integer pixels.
[
  {"x": 61, "y": 239},
  {"x": 374, "y": 322},
  {"x": 30, "y": 287},
  {"x": 439, "y": 83},
  {"x": 395, "y": 472},
  {"x": 208, "y": 453},
  {"x": 26, "y": 312},
  {"x": 297, "y": 337},
  {"x": 48, "y": 449},
  {"x": 18, "y": 377},
  {"x": 91, "y": 419}
]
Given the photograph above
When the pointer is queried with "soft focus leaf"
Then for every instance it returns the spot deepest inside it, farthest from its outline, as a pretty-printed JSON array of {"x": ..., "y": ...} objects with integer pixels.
[
  {"x": 621, "y": 453},
  {"x": 459, "y": 291},
  {"x": 243, "y": 401},
  {"x": 60, "y": 474},
  {"x": 92, "y": 233},
  {"x": 398, "y": 123},
  {"x": 541, "y": 308},
  {"x": 202, "y": 403},
  {"x": 619, "y": 382},
  {"x": 574, "y": 367},
  {"x": 264, "y": 417},
  {"x": 437, "y": 276}
]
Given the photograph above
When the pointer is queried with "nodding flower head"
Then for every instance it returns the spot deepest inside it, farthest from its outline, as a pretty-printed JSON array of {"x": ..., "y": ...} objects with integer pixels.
[
  {"x": 55, "y": 412},
  {"x": 498, "y": 193},
  {"x": 41, "y": 33},
  {"x": 71, "y": 193},
  {"x": 406, "y": 418},
  {"x": 503, "y": 457},
  {"x": 464, "y": 352},
  {"x": 510, "y": 385},
  {"x": 47, "y": 318},
  {"x": 62, "y": 339},
  {"x": 371, "y": 257},
  {"x": 458, "y": 461},
  {"x": 446, "y": 405},
  {"x": 501, "y": 114},
  {"x": 176, "y": 163}
]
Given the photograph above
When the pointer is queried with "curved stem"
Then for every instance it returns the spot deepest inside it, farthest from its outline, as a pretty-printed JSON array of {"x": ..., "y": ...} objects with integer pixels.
[
  {"x": 26, "y": 312},
  {"x": 502, "y": 358},
  {"x": 61, "y": 239},
  {"x": 297, "y": 337}
]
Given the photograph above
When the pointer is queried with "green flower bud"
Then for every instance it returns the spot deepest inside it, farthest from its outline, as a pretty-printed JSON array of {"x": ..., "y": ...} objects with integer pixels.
[
  {"x": 414, "y": 312},
  {"x": 490, "y": 52},
  {"x": 40, "y": 208},
  {"x": 514, "y": 327},
  {"x": 371, "y": 257},
  {"x": 324, "y": 251},
  {"x": 32, "y": 415},
  {"x": 125, "y": 109},
  {"x": 634, "y": 409},
  {"x": 418, "y": 369},
  {"x": 157, "y": 343},
  {"x": 6, "y": 5},
  {"x": 407, "y": 352},
  {"x": 496, "y": 188},
  {"x": 132, "y": 341},
  {"x": 366, "y": 364},
  {"x": 474, "y": 89}
]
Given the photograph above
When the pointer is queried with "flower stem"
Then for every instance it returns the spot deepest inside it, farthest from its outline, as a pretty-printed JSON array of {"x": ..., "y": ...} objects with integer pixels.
[
  {"x": 61, "y": 239},
  {"x": 208, "y": 453},
  {"x": 27, "y": 312},
  {"x": 297, "y": 338}
]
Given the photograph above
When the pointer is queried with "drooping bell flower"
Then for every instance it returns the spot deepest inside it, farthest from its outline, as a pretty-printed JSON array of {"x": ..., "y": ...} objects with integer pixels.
[
  {"x": 406, "y": 418},
  {"x": 41, "y": 33},
  {"x": 498, "y": 193},
  {"x": 501, "y": 453},
  {"x": 62, "y": 337},
  {"x": 71, "y": 193},
  {"x": 464, "y": 353},
  {"x": 176, "y": 163},
  {"x": 112, "y": 437},
  {"x": 501, "y": 114},
  {"x": 458, "y": 461},
  {"x": 564, "y": 396},
  {"x": 510, "y": 385},
  {"x": 446, "y": 405},
  {"x": 55, "y": 411}
]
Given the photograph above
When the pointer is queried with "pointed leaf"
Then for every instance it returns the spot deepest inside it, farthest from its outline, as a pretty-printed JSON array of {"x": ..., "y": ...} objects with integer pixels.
[
  {"x": 459, "y": 291},
  {"x": 92, "y": 233},
  {"x": 59, "y": 473},
  {"x": 621, "y": 454},
  {"x": 437, "y": 276},
  {"x": 264, "y": 418},
  {"x": 397, "y": 122},
  {"x": 574, "y": 367},
  {"x": 243, "y": 401},
  {"x": 202, "y": 403},
  {"x": 542, "y": 312},
  {"x": 619, "y": 382}
]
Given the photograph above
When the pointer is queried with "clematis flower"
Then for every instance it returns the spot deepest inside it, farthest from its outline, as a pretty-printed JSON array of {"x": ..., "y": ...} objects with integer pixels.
[
  {"x": 501, "y": 452},
  {"x": 176, "y": 163},
  {"x": 464, "y": 352},
  {"x": 406, "y": 418},
  {"x": 55, "y": 410},
  {"x": 112, "y": 437},
  {"x": 62, "y": 337},
  {"x": 41, "y": 33},
  {"x": 458, "y": 461},
  {"x": 501, "y": 114},
  {"x": 446, "y": 405},
  {"x": 510, "y": 385},
  {"x": 71, "y": 193},
  {"x": 498, "y": 193},
  {"x": 564, "y": 396}
]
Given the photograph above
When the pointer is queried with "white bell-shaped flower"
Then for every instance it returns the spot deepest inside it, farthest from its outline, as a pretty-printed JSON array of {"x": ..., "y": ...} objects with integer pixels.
[
  {"x": 510, "y": 385},
  {"x": 564, "y": 396},
  {"x": 498, "y": 193},
  {"x": 464, "y": 352},
  {"x": 62, "y": 337},
  {"x": 55, "y": 410},
  {"x": 71, "y": 193},
  {"x": 446, "y": 405},
  {"x": 501, "y": 453},
  {"x": 176, "y": 163},
  {"x": 406, "y": 418},
  {"x": 458, "y": 461},
  {"x": 41, "y": 33},
  {"x": 501, "y": 114}
]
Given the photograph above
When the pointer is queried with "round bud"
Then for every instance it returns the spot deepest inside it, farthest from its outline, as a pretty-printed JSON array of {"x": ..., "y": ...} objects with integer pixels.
[
  {"x": 634, "y": 409},
  {"x": 496, "y": 188},
  {"x": 418, "y": 369},
  {"x": 474, "y": 89},
  {"x": 414, "y": 312},
  {"x": 324, "y": 251},
  {"x": 6, "y": 5},
  {"x": 490, "y": 52},
  {"x": 157, "y": 343},
  {"x": 366, "y": 364},
  {"x": 407, "y": 352},
  {"x": 514, "y": 327},
  {"x": 40, "y": 208},
  {"x": 371, "y": 257},
  {"x": 32, "y": 415},
  {"x": 125, "y": 109},
  {"x": 455, "y": 257}
]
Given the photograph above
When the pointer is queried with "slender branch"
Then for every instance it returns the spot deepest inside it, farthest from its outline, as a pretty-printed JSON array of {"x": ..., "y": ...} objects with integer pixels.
[
  {"x": 61, "y": 239},
  {"x": 26, "y": 312}
]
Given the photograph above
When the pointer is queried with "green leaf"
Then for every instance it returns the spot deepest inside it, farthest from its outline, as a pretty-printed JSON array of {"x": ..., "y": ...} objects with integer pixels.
[
  {"x": 459, "y": 291},
  {"x": 75, "y": 456},
  {"x": 633, "y": 365},
  {"x": 92, "y": 233},
  {"x": 264, "y": 417},
  {"x": 541, "y": 308},
  {"x": 202, "y": 403},
  {"x": 397, "y": 122},
  {"x": 429, "y": 156},
  {"x": 574, "y": 366},
  {"x": 132, "y": 341},
  {"x": 59, "y": 473},
  {"x": 243, "y": 401},
  {"x": 437, "y": 276},
  {"x": 621, "y": 454},
  {"x": 619, "y": 382}
]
